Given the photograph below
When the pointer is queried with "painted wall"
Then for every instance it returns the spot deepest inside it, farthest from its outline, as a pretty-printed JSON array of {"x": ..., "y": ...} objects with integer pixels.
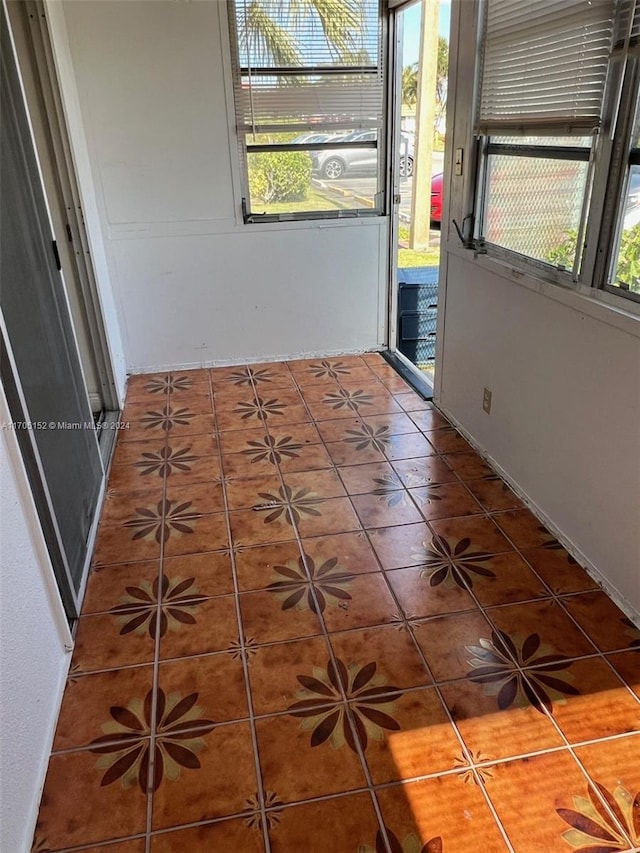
[
  {"x": 192, "y": 284},
  {"x": 565, "y": 417},
  {"x": 33, "y": 664}
]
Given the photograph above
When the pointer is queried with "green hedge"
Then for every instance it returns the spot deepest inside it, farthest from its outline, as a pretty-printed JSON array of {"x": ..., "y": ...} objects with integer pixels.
[
  {"x": 278, "y": 176},
  {"x": 628, "y": 270}
]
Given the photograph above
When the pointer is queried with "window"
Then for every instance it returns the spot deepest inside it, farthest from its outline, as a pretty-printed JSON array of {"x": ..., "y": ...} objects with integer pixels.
[
  {"x": 557, "y": 96},
  {"x": 309, "y": 94}
]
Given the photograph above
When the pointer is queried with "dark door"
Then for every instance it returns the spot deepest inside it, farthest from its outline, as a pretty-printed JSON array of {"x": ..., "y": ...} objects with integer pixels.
[{"x": 61, "y": 452}]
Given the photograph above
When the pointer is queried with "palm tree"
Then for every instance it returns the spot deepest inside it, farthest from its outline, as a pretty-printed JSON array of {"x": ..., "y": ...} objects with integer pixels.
[
  {"x": 410, "y": 84},
  {"x": 267, "y": 29}
]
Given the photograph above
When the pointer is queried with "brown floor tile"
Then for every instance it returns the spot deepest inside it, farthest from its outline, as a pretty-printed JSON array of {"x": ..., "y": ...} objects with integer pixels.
[
  {"x": 238, "y": 834},
  {"x": 133, "y": 846},
  {"x": 77, "y": 809},
  {"x": 386, "y": 510},
  {"x": 237, "y": 441},
  {"x": 211, "y": 572},
  {"x": 429, "y": 419},
  {"x": 468, "y": 466},
  {"x": 614, "y": 766},
  {"x": 340, "y": 825},
  {"x": 273, "y": 615},
  {"x": 376, "y": 478},
  {"x": 203, "y": 469},
  {"x": 598, "y": 704},
  {"x": 328, "y": 767},
  {"x": 323, "y": 484},
  {"x": 559, "y": 570},
  {"x": 393, "y": 651},
  {"x": 197, "y": 400},
  {"x": 545, "y": 620},
  {"x": 201, "y": 498},
  {"x": 221, "y": 785},
  {"x": 445, "y": 643},
  {"x": 206, "y": 533},
  {"x": 256, "y": 567},
  {"x": 120, "y": 507},
  {"x": 424, "y": 472},
  {"x": 446, "y": 813},
  {"x": 511, "y": 580},
  {"x": 87, "y": 700},
  {"x": 216, "y": 680},
  {"x": 335, "y": 515},
  {"x": 609, "y": 628},
  {"x": 352, "y": 550},
  {"x": 274, "y": 672},
  {"x": 130, "y": 452},
  {"x": 419, "y": 597},
  {"x": 238, "y": 466},
  {"x": 398, "y": 423},
  {"x": 412, "y": 736},
  {"x": 247, "y": 493},
  {"x": 494, "y": 494},
  {"x": 212, "y": 627},
  {"x": 528, "y": 794},
  {"x": 445, "y": 500},
  {"x": 370, "y": 603},
  {"x": 627, "y": 665},
  {"x": 345, "y": 427},
  {"x": 448, "y": 441},
  {"x": 398, "y": 547},
  {"x": 482, "y": 533},
  {"x": 310, "y": 457},
  {"x": 410, "y": 402},
  {"x": 107, "y": 587},
  {"x": 250, "y": 527},
  {"x": 345, "y": 453},
  {"x": 409, "y": 446},
  {"x": 99, "y": 644},
  {"x": 494, "y": 724},
  {"x": 523, "y": 528}
]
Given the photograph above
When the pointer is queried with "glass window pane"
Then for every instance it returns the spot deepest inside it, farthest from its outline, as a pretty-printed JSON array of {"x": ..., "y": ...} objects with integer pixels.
[
  {"x": 533, "y": 206},
  {"x": 293, "y": 182},
  {"x": 627, "y": 267}
]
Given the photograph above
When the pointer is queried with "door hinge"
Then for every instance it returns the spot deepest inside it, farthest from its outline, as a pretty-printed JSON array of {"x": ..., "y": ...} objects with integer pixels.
[
  {"x": 56, "y": 256},
  {"x": 397, "y": 199},
  {"x": 69, "y": 234}
]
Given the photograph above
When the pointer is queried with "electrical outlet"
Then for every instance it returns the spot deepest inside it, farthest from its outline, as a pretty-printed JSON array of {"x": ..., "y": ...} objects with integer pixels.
[{"x": 486, "y": 401}]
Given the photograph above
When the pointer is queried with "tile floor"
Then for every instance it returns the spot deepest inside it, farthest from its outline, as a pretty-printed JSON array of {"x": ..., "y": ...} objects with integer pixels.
[{"x": 317, "y": 622}]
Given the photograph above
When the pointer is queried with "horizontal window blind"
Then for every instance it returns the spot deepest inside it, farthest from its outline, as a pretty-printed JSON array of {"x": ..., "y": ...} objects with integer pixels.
[
  {"x": 544, "y": 66},
  {"x": 303, "y": 65}
]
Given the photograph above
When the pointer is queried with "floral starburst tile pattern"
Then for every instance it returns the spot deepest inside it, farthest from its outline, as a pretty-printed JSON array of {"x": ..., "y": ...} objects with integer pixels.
[
  {"x": 497, "y": 664},
  {"x": 349, "y": 400},
  {"x": 289, "y": 504},
  {"x": 326, "y": 369},
  {"x": 288, "y": 621},
  {"x": 161, "y": 520},
  {"x": 453, "y": 560},
  {"x": 300, "y": 583},
  {"x": 594, "y": 828},
  {"x": 168, "y": 418},
  {"x": 323, "y": 711},
  {"x": 272, "y": 449},
  {"x": 368, "y": 436},
  {"x": 167, "y": 384},
  {"x": 125, "y": 748},
  {"x": 409, "y": 844},
  {"x": 165, "y": 461},
  {"x": 259, "y": 409},
  {"x": 170, "y": 602}
]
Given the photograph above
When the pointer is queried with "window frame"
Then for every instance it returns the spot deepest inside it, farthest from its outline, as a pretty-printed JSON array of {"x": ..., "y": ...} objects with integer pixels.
[
  {"x": 609, "y": 161},
  {"x": 380, "y": 198}
]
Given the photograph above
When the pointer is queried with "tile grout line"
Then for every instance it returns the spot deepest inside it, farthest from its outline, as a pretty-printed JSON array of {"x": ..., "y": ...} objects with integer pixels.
[
  {"x": 332, "y": 655},
  {"x": 241, "y": 636}
]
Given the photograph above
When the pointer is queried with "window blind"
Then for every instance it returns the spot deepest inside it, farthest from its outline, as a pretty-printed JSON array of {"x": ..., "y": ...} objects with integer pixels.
[
  {"x": 544, "y": 66},
  {"x": 295, "y": 69}
]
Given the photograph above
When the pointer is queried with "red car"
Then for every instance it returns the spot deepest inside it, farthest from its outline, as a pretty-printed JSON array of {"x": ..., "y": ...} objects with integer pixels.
[{"x": 436, "y": 199}]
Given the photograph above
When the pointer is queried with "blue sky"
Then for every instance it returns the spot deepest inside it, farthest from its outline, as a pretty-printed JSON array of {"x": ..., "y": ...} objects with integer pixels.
[{"x": 412, "y": 29}]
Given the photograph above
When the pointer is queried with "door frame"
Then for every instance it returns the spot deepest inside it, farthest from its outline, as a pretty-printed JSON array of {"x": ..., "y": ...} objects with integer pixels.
[{"x": 43, "y": 101}]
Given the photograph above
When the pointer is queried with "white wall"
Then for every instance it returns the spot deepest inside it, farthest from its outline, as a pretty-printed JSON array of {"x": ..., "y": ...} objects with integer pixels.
[
  {"x": 565, "y": 416},
  {"x": 193, "y": 285},
  {"x": 33, "y": 663}
]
